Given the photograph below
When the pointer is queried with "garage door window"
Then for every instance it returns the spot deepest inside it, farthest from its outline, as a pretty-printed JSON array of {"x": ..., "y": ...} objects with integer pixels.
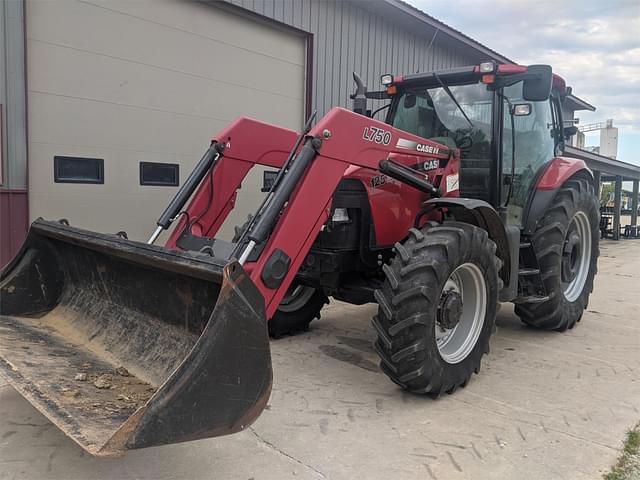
[
  {"x": 159, "y": 174},
  {"x": 78, "y": 170}
]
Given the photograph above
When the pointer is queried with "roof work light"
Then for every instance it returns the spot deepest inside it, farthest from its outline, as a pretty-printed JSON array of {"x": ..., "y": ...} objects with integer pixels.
[{"x": 487, "y": 67}]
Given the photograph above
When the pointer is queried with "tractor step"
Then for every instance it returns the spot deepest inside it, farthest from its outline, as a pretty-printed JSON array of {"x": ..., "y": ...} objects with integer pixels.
[
  {"x": 532, "y": 299},
  {"x": 525, "y": 244}
]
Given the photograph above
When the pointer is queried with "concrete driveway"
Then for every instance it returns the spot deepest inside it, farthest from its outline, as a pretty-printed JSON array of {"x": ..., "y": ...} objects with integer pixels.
[{"x": 545, "y": 406}]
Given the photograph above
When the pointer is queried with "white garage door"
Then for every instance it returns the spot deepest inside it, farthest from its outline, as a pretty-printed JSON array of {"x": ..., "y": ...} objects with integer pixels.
[{"x": 146, "y": 81}]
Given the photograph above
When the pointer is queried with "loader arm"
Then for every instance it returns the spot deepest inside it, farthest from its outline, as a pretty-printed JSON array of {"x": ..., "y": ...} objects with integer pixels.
[{"x": 347, "y": 139}]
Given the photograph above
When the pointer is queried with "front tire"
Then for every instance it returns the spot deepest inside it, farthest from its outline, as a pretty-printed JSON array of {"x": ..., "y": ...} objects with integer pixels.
[
  {"x": 566, "y": 242},
  {"x": 437, "y": 307},
  {"x": 300, "y": 306}
]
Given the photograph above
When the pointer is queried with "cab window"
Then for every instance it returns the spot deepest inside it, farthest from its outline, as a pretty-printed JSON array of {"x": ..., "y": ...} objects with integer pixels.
[{"x": 535, "y": 142}]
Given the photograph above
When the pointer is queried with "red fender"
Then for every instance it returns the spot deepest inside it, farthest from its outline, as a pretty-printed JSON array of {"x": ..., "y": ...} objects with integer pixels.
[{"x": 559, "y": 170}]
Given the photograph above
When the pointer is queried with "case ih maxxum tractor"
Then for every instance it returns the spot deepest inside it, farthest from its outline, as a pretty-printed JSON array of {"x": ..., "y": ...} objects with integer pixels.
[{"x": 456, "y": 199}]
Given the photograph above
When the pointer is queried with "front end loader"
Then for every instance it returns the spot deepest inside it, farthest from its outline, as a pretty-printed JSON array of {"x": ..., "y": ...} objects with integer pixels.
[
  {"x": 114, "y": 340},
  {"x": 125, "y": 345},
  {"x": 186, "y": 326}
]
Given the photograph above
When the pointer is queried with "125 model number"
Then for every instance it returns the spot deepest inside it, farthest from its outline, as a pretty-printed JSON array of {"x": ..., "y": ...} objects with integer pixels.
[
  {"x": 378, "y": 181},
  {"x": 376, "y": 135}
]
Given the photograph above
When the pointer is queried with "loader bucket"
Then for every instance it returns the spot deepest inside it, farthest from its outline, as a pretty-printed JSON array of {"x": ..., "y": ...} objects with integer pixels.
[{"x": 124, "y": 345}]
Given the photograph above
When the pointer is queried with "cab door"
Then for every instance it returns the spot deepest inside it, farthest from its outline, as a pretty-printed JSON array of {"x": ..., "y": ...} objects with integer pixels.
[{"x": 529, "y": 142}]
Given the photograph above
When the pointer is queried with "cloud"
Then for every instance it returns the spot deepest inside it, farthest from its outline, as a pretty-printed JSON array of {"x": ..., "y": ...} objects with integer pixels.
[{"x": 594, "y": 45}]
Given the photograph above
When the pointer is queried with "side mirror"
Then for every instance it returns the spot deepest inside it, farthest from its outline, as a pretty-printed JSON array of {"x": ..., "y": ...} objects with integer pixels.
[
  {"x": 570, "y": 131},
  {"x": 538, "y": 87}
]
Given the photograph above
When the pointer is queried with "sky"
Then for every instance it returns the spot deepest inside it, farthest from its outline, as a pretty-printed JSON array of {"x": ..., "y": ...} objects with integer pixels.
[{"x": 593, "y": 44}]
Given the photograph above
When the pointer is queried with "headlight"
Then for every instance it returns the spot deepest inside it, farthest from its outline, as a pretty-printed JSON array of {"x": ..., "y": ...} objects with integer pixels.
[
  {"x": 340, "y": 215},
  {"x": 386, "y": 79},
  {"x": 521, "y": 109}
]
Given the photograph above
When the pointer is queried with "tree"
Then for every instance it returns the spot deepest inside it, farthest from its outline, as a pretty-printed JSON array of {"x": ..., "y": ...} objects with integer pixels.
[{"x": 607, "y": 193}]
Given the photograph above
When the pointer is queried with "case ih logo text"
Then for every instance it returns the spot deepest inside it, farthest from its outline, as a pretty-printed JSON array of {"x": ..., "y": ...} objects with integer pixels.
[
  {"x": 431, "y": 164},
  {"x": 427, "y": 148},
  {"x": 420, "y": 147},
  {"x": 376, "y": 135}
]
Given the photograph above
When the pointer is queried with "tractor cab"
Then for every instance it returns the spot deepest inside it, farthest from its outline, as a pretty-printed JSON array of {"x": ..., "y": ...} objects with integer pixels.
[{"x": 506, "y": 121}]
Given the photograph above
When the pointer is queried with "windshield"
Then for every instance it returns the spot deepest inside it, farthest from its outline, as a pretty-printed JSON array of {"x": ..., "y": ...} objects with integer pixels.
[{"x": 431, "y": 113}]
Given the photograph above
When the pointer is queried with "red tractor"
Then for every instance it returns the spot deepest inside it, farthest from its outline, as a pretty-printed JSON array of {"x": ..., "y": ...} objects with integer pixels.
[{"x": 459, "y": 198}]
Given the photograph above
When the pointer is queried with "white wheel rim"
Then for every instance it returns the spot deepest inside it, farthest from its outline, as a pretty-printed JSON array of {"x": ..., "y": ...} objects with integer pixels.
[
  {"x": 296, "y": 297},
  {"x": 455, "y": 344},
  {"x": 573, "y": 289}
]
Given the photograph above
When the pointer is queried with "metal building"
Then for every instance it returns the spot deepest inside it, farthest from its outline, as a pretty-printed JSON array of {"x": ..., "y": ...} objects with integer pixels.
[
  {"x": 105, "y": 105},
  {"x": 110, "y": 103}
]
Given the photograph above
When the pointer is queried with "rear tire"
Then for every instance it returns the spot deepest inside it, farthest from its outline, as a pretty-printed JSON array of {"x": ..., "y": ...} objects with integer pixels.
[
  {"x": 298, "y": 308},
  {"x": 438, "y": 275},
  {"x": 566, "y": 242}
]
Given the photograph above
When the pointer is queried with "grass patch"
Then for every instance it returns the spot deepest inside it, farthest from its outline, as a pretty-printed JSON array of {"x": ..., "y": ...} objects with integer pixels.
[{"x": 628, "y": 465}]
